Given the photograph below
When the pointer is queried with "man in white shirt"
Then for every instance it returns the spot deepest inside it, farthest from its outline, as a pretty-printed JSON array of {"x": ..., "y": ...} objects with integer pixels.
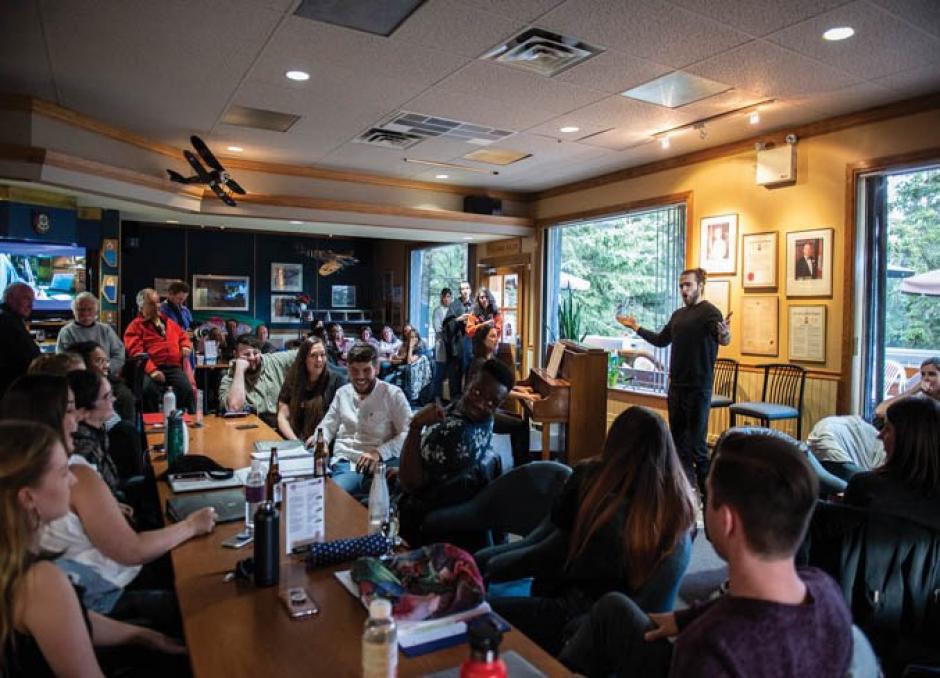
[
  {"x": 440, "y": 341},
  {"x": 367, "y": 422}
]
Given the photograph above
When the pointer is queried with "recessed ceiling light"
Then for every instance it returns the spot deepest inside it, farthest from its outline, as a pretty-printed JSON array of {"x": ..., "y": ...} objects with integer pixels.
[
  {"x": 441, "y": 176},
  {"x": 569, "y": 129},
  {"x": 295, "y": 222},
  {"x": 299, "y": 76},
  {"x": 839, "y": 33},
  {"x": 172, "y": 221},
  {"x": 754, "y": 118},
  {"x": 664, "y": 142},
  {"x": 234, "y": 149}
]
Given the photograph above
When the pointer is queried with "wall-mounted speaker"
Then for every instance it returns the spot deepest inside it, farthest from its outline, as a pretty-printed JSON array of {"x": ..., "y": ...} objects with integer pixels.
[{"x": 482, "y": 204}]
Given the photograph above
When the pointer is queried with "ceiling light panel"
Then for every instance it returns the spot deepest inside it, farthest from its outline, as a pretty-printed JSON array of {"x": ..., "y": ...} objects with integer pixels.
[
  {"x": 542, "y": 52},
  {"x": 676, "y": 89},
  {"x": 380, "y": 17},
  {"x": 496, "y": 156},
  {"x": 259, "y": 118}
]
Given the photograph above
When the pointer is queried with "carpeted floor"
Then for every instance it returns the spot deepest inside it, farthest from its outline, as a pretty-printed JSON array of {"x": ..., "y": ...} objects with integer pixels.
[{"x": 705, "y": 574}]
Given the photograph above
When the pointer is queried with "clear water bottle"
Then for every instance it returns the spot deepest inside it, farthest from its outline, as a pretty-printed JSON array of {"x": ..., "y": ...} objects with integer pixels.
[
  {"x": 254, "y": 494},
  {"x": 380, "y": 642},
  {"x": 169, "y": 405},
  {"x": 378, "y": 500}
]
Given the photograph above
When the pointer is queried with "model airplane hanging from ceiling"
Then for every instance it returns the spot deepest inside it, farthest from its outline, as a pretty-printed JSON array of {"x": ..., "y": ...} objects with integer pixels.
[
  {"x": 215, "y": 177},
  {"x": 331, "y": 261}
]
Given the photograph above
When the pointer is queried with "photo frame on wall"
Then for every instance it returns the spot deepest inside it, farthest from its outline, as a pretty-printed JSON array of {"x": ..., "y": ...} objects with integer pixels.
[
  {"x": 718, "y": 292},
  {"x": 759, "y": 260},
  {"x": 807, "y": 325},
  {"x": 343, "y": 296},
  {"x": 285, "y": 308},
  {"x": 760, "y": 325},
  {"x": 809, "y": 263},
  {"x": 719, "y": 244},
  {"x": 220, "y": 292},
  {"x": 287, "y": 277}
]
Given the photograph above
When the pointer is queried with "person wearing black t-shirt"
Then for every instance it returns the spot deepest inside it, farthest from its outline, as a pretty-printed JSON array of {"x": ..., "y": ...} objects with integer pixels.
[{"x": 695, "y": 330}]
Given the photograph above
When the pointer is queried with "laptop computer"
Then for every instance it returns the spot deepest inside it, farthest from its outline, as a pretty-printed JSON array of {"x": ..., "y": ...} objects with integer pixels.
[{"x": 229, "y": 505}]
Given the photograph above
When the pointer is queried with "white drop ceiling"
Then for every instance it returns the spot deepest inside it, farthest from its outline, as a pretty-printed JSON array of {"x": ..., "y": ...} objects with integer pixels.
[{"x": 170, "y": 69}]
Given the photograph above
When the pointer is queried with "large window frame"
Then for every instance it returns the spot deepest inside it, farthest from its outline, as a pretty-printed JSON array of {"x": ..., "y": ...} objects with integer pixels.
[{"x": 424, "y": 290}]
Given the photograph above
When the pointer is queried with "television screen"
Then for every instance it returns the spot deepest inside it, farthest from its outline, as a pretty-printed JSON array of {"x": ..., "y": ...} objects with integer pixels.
[{"x": 55, "y": 272}]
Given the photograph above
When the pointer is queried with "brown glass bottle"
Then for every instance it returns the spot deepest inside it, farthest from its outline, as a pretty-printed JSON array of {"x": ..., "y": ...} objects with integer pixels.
[
  {"x": 321, "y": 457},
  {"x": 272, "y": 483}
]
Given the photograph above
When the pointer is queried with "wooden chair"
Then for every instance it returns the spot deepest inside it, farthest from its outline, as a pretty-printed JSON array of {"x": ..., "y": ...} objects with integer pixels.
[
  {"x": 781, "y": 397},
  {"x": 725, "y": 383},
  {"x": 895, "y": 378}
]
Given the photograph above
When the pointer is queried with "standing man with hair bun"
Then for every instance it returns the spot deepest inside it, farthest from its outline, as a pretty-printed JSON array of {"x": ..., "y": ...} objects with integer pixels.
[{"x": 695, "y": 331}]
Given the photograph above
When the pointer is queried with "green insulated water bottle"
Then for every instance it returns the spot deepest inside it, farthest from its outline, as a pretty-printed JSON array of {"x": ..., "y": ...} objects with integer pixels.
[{"x": 174, "y": 437}]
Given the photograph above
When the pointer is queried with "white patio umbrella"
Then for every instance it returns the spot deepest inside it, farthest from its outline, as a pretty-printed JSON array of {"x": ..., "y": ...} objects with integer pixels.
[
  {"x": 567, "y": 281},
  {"x": 923, "y": 283}
]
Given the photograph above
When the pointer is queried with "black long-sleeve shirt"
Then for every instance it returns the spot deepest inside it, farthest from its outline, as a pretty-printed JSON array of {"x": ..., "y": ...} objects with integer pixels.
[
  {"x": 693, "y": 333},
  {"x": 17, "y": 348}
]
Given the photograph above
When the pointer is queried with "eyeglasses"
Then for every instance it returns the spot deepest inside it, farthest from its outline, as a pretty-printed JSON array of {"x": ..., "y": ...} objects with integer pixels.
[{"x": 107, "y": 396}]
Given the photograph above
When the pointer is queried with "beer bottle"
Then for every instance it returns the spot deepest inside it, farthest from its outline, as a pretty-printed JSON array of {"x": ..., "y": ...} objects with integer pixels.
[
  {"x": 272, "y": 483},
  {"x": 321, "y": 457}
]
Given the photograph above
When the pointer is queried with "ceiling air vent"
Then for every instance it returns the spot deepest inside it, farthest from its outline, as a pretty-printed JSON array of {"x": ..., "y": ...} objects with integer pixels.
[
  {"x": 387, "y": 138},
  {"x": 542, "y": 52}
]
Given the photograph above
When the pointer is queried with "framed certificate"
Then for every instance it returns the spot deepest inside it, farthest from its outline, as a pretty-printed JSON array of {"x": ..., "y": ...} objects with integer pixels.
[
  {"x": 809, "y": 263},
  {"x": 719, "y": 243},
  {"x": 759, "y": 326},
  {"x": 808, "y": 333},
  {"x": 759, "y": 260}
]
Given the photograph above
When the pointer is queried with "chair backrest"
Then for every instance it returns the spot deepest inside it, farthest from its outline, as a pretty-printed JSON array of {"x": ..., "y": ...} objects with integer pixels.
[
  {"x": 784, "y": 384},
  {"x": 726, "y": 378},
  {"x": 895, "y": 377}
]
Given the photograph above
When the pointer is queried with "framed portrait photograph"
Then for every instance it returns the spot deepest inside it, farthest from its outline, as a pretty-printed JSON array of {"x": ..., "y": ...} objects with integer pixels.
[
  {"x": 220, "y": 292},
  {"x": 808, "y": 333},
  {"x": 285, "y": 309},
  {"x": 719, "y": 242},
  {"x": 759, "y": 260},
  {"x": 343, "y": 296},
  {"x": 759, "y": 326},
  {"x": 718, "y": 292},
  {"x": 287, "y": 277},
  {"x": 809, "y": 263}
]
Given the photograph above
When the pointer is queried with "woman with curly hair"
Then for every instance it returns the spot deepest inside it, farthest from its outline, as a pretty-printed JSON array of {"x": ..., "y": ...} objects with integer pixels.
[
  {"x": 484, "y": 313},
  {"x": 307, "y": 392}
]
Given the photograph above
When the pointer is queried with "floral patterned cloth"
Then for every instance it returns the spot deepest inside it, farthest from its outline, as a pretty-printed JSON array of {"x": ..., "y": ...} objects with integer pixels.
[{"x": 430, "y": 582}]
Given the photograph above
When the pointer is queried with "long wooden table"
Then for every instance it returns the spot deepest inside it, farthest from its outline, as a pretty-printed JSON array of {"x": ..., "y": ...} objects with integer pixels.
[{"x": 233, "y": 629}]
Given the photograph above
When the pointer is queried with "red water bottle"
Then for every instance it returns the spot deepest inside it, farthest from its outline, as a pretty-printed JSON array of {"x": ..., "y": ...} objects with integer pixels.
[{"x": 484, "y": 661}]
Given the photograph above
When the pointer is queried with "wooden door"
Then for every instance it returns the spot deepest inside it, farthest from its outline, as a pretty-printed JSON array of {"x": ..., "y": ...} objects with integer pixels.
[{"x": 507, "y": 283}]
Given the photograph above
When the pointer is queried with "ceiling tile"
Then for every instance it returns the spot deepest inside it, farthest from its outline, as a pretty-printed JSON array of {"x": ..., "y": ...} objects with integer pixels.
[
  {"x": 914, "y": 82},
  {"x": 650, "y": 29},
  {"x": 24, "y": 65},
  {"x": 525, "y": 10},
  {"x": 758, "y": 17},
  {"x": 922, "y": 14},
  {"x": 627, "y": 114},
  {"x": 855, "y": 98},
  {"x": 369, "y": 158},
  {"x": 501, "y": 83},
  {"x": 882, "y": 45},
  {"x": 613, "y": 71},
  {"x": 452, "y": 26},
  {"x": 769, "y": 70}
]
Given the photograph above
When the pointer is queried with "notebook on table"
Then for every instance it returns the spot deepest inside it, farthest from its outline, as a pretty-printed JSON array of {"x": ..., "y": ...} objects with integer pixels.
[{"x": 229, "y": 505}]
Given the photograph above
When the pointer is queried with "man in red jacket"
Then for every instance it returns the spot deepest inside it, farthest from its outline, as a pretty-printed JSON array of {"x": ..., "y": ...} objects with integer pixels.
[{"x": 168, "y": 346}]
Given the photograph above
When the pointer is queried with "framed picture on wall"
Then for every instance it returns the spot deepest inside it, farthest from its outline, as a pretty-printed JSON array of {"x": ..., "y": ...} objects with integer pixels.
[
  {"x": 808, "y": 333},
  {"x": 718, "y": 292},
  {"x": 220, "y": 292},
  {"x": 287, "y": 277},
  {"x": 759, "y": 326},
  {"x": 809, "y": 263},
  {"x": 719, "y": 244},
  {"x": 759, "y": 260},
  {"x": 285, "y": 309},
  {"x": 343, "y": 296}
]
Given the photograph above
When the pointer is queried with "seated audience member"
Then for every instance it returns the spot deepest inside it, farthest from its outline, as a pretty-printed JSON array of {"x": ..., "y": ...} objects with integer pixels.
[
  {"x": 908, "y": 484},
  {"x": 58, "y": 364},
  {"x": 262, "y": 334},
  {"x": 229, "y": 345},
  {"x": 337, "y": 345},
  {"x": 484, "y": 313},
  {"x": 93, "y": 540},
  {"x": 388, "y": 343},
  {"x": 168, "y": 346},
  {"x": 775, "y": 620},
  {"x": 44, "y": 628},
  {"x": 622, "y": 515},
  {"x": 365, "y": 337},
  {"x": 318, "y": 329},
  {"x": 86, "y": 327},
  {"x": 410, "y": 368},
  {"x": 444, "y": 458},
  {"x": 19, "y": 348},
  {"x": 927, "y": 387},
  {"x": 307, "y": 393},
  {"x": 846, "y": 445},
  {"x": 174, "y": 307},
  {"x": 96, "y": 360},
  {"x": 255, "y": 379},
  {"x": 367, "y": 422},
  {"x": 94, "y": 401}
]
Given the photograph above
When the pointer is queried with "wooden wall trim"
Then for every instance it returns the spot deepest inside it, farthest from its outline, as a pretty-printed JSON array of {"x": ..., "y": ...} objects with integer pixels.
[
  {"x": 834, "y": 124},
  {"x": 75, "y": 119},
  {"x": 852, "y": 172},
  {"x": 656, "y": 201}
]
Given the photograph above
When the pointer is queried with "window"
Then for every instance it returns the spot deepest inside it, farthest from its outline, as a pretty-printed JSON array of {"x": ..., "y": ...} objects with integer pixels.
[
  {"x": 432, "y": 269},
  {"x": 627, "y": 261},
  {"x": 899, "y": 251}
]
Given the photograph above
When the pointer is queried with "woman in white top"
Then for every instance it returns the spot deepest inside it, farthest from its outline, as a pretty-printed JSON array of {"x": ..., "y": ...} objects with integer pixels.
[{"x": 95, "y": 531}]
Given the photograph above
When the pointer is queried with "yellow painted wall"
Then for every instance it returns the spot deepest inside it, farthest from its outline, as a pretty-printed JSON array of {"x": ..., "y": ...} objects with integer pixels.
[{"x": 817, "y": 200}]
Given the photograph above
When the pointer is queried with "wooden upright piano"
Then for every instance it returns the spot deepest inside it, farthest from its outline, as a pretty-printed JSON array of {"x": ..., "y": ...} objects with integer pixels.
[{"x": 576, "y": 397}]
